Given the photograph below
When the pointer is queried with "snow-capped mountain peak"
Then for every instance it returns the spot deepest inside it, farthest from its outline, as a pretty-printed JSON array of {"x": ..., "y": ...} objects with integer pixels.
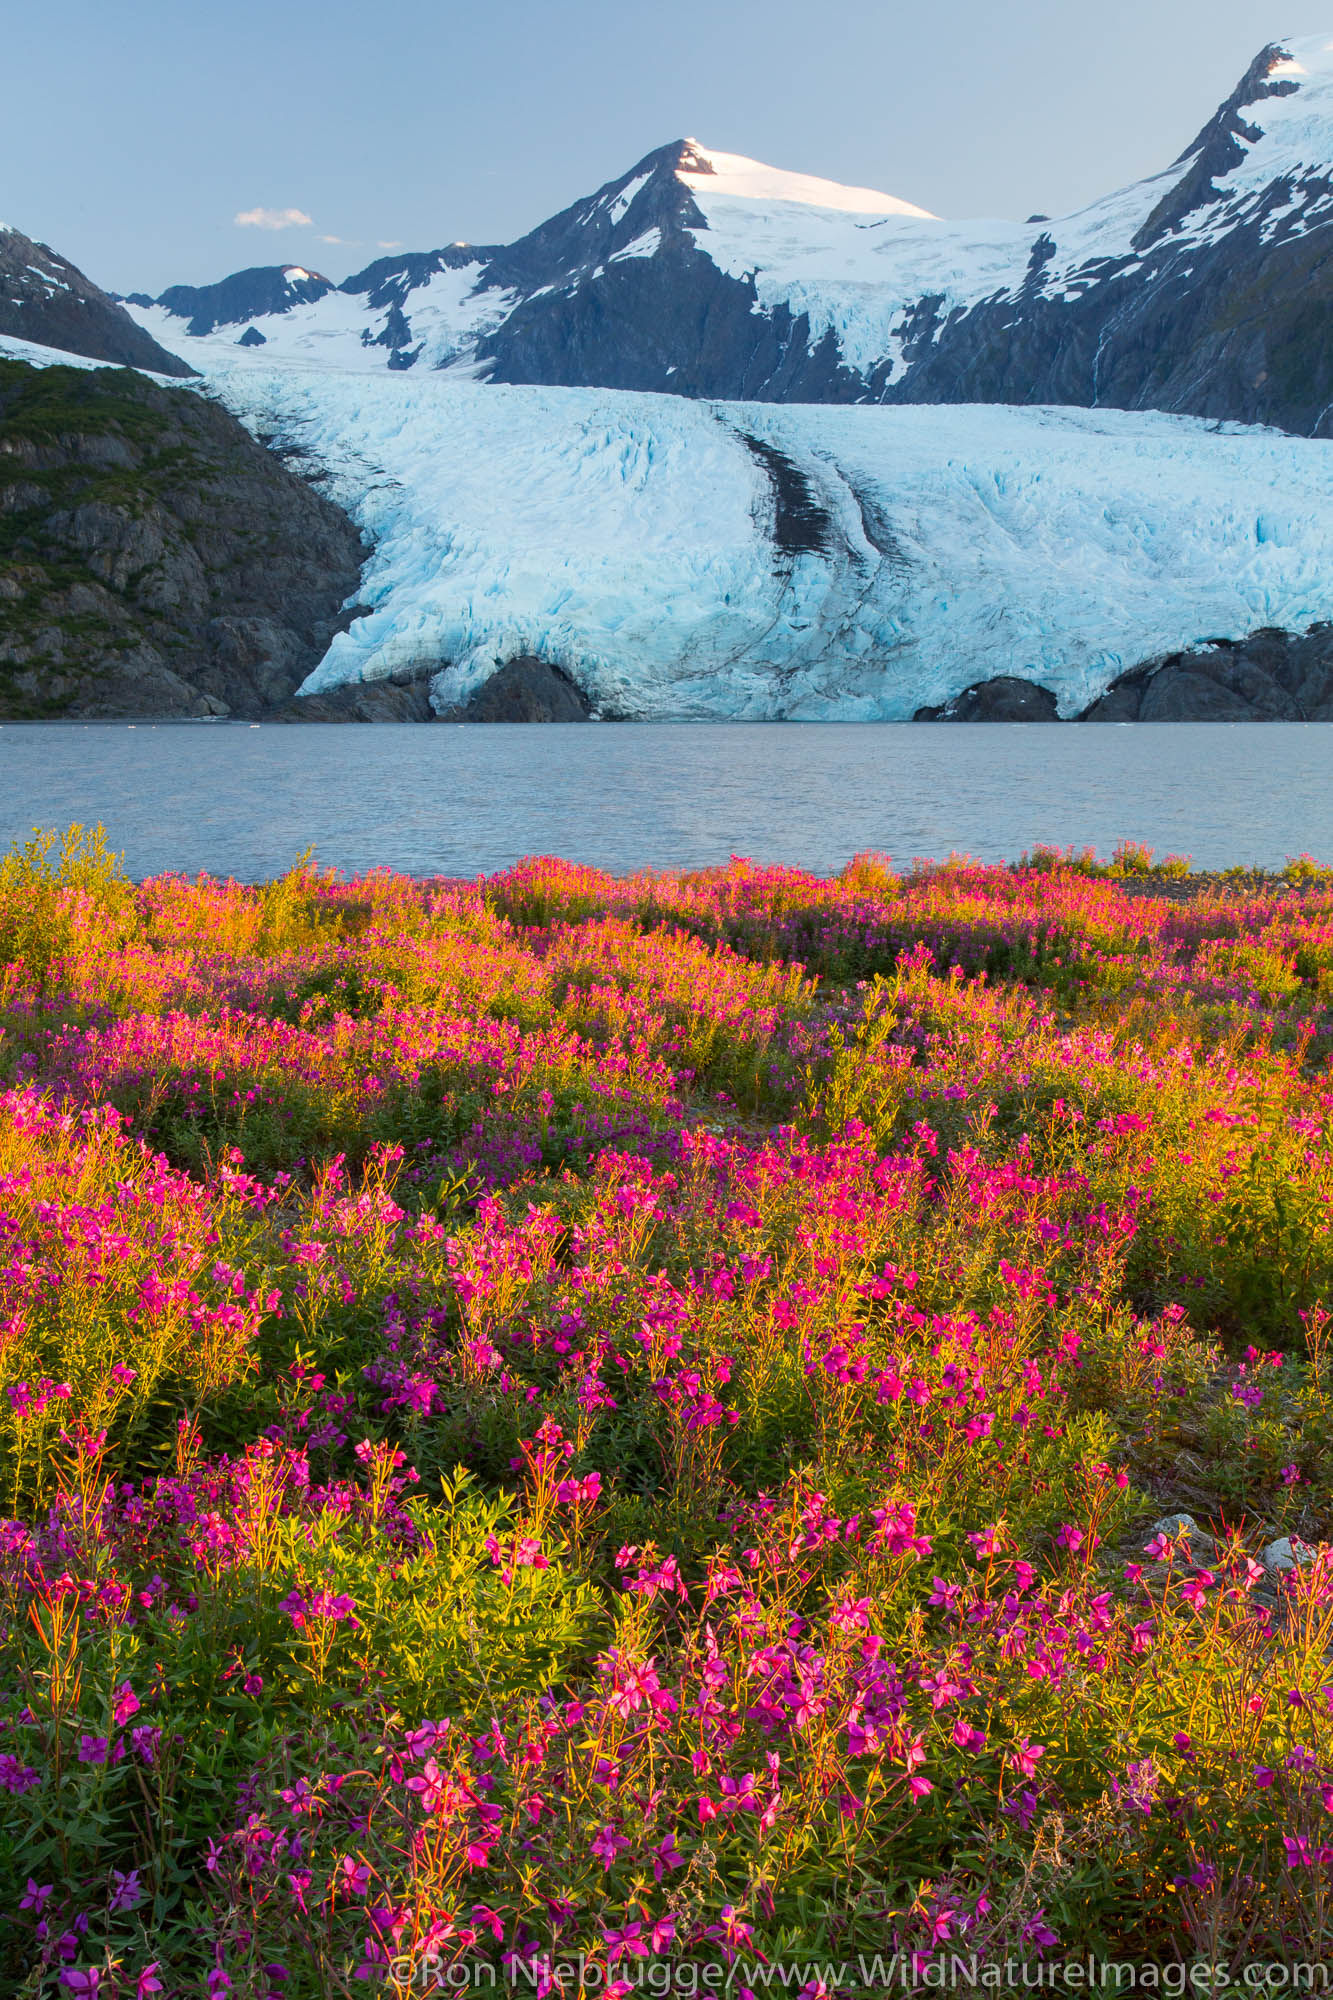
[
  {"x": 730, "y": 176},
  {"x": 703, "y": 273}
]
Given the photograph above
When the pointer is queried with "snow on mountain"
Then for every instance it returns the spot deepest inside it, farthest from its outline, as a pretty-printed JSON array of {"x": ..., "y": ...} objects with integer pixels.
[
  {"x": 1201, "y": 289},
  {"x": 37, "y": 354},
  {"x": 697, "y": 559},
  {"x": 299, "y": 316}
]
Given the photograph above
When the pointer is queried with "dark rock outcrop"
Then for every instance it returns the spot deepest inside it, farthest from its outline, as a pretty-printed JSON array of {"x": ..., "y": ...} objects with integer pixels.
[
  {"x": 1272, "y": 676},
  {"x": 390, "y": 281},
  {"x": 1004, "y": 699},
  {"x": 524, "y": 690},
  {"x": 154, "y": 559},
  {"x": 403, "y": 697},
  {"x": 45, "y": 299}
]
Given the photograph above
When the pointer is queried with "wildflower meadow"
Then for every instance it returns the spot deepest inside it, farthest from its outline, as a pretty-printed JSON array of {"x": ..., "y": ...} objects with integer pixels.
[{"x": 731, "y": 1421}]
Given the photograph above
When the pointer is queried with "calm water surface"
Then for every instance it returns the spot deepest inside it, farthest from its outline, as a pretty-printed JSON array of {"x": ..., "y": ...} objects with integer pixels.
[{"x": 243, "y": 801}]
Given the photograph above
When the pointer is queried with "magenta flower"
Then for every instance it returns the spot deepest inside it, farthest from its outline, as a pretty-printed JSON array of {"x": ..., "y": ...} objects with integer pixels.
[
  {"x": 666, "y": 1855},
  {"x": 126, "y": 1892},
  {"x": 431, "y": 1787},
  {"x": 627, "y": 1939},
  {"x": 606, "y": 1845},
  {"x": 353, "y": 1876}
]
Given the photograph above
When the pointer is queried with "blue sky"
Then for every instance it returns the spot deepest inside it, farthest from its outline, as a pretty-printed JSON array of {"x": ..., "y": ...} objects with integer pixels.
[{"x": 134, "y": 136}]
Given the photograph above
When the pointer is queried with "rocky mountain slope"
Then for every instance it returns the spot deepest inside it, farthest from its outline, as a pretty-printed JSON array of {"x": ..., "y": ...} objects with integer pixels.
[
  {"x": 1205, "y": 289},
  {"x": 45, "y": 299},
  {"x": 155, "y": 559}
]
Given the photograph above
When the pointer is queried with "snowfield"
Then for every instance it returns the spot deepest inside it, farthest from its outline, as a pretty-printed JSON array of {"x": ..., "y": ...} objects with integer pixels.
[{"x": 695, "y": 560}]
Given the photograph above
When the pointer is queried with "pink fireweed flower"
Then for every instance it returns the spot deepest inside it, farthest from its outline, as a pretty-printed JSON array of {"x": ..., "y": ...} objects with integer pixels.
[
  {"x": 323, "y": 1604},
  {"x": 431, "y": 1787},
  {"x": 579, "y": 1492},
  {"x": 635, "y": 1685},
  {"x": 145, "y": 1742},
  {"x": 628, "y": 1939},
  {"x": 126, "y": 1891},
  {"x": 1024, "y": 1759},
  {"x": 732, "y": 1930},
  {"x": 353, "y": 1876},
  {"x": 665, "y": 1855},
  {"x": 606, "y": 1845},
  {"x": 1194, "y": 1590}
]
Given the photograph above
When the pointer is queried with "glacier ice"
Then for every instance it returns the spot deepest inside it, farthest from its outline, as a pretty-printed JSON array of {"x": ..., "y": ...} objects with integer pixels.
[
  {"x": 709, "y": 559},
  {"x": 762, "y": 561}
]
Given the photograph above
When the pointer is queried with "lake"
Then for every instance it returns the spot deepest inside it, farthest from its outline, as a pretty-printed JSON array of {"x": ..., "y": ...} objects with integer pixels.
[{"x": 243, "y": 800}]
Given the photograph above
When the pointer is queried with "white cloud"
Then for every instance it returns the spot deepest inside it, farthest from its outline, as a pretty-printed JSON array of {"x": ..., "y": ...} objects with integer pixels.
[
  {"x": 272, "y": 218},
  {"x": 394, "y": 244},
  {"x": 330, "y": 239}
]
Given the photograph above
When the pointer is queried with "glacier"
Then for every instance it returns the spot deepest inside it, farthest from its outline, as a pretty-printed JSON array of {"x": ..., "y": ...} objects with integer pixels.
[
  {"x": 692, "y": 560},
  {"x": 756, "y": 561}
]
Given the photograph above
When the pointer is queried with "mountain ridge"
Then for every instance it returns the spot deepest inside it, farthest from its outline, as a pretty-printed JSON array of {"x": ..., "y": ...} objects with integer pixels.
[
  {"x": 46, "y": 300},
  {"x": 1205, "y": 289}
]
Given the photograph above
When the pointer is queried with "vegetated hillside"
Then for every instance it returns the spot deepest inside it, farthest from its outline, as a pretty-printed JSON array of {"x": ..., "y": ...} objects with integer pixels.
[
  {"x": 155, "y": 559},
  {"x": 46, "y": 299},
  {"x": 1206, "y": 288},
  {"x": 731, "y": 1420}
]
